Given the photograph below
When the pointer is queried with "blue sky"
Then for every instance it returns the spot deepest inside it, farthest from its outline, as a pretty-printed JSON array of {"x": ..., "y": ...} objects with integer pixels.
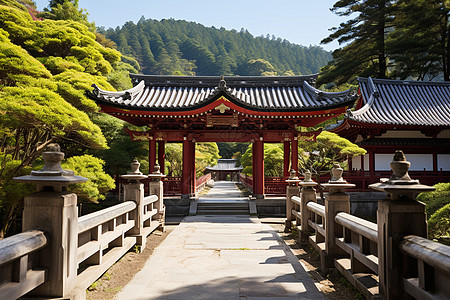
[{"x": 304, "y": 22}]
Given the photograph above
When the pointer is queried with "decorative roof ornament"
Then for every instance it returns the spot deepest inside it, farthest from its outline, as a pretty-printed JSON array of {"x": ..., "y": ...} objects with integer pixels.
[
  {"x": 222, "y": 83},
  {"x": 400, "y": 186}
]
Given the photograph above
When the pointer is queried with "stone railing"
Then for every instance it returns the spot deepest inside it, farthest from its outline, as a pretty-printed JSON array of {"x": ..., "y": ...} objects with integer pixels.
[
  {"x": 60, "y": 255},
  {"x": 391, "y": 259},
  {"x": 17, "y": 275}
]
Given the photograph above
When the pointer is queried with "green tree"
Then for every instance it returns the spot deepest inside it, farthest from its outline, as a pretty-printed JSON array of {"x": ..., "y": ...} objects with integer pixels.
[
  {"x": 329, "y": 148},
  {"x": 364, "y": 34},
  {"x": 260, "y": 67},
  {"x": 90, "y": 167},
  {"x": 67, "y": 10},
  {"x": 273, "y": 160},
  {"x": 419, "y": 45}
]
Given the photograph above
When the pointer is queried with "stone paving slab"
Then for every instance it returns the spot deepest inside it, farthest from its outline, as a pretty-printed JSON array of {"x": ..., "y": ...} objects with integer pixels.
[{"x": 221, "y": 257}]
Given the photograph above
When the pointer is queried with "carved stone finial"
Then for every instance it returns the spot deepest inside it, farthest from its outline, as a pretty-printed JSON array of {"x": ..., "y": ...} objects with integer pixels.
[
  {"x": 135, "y": 167},
  {"x": 307, "y": 175},
  {"x": 336, "y": 173},
  {"x": 292, "y": 175},
  {"x": 400, "y": 167},
  {"x": 52, "y": 174},
  {"x": 52, "y": 162},
  {"x": 157, "y": 169}
]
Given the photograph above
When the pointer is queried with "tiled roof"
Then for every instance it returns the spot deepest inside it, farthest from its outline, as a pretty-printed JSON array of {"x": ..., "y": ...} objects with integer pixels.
[
  {"x": 225, "y": 165},
  {"x": 399, "y": 102},
  {"x": 170, "y": 93}
]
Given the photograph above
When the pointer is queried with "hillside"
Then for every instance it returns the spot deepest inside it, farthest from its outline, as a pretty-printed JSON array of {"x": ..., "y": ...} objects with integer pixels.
[{"x": 176, "y": 47}]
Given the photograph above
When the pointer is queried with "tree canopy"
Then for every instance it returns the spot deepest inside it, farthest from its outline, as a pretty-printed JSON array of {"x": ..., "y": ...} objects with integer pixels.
[
  {"x": 390, "y": 39},
  {"x": 176, "y": 47}
]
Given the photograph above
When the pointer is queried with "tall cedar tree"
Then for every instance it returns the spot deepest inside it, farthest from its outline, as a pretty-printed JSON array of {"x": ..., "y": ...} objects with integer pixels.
[
  {"x": 366, "y": 52},
  {"x": 419, "y": 45}
]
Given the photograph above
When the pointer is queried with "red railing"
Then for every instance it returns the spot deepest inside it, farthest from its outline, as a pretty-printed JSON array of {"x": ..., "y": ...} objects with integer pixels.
[
  {"x": 172, "y": 185},
  {"x": 272, "y": 185}
]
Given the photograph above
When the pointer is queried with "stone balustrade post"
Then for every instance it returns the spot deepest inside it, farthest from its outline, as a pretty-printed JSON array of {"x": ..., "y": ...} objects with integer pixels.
[
  {"x": 134, "y": 191},
  {"x": 398, "y": 215},
  {"x": 156, "y": 188},
  {"x": 291, "y": 190},
  {"x": 308, "y": 194},
  {"x": 53, "y": 210},
  {"x": 336, "y": 201}
]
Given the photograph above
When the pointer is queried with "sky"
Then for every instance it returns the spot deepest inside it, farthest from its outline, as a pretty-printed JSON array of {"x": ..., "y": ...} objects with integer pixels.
[{"x": 304, "y": 22}]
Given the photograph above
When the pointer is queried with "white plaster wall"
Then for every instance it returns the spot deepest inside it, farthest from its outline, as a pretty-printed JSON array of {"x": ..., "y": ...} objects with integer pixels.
[
  {"x": 419, "y": 162},
  {"x": 403, "y": 134},
  {"x": 356, "y": 163},
  {"x": 443, "y": 162}
]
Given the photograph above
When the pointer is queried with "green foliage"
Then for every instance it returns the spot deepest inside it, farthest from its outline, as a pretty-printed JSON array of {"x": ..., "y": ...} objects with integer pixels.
[
  {"x": 72, "y": 86},
  {"x": 439, "y": 223},
  {"x": 174, "y": 158},
  {"x": 231, "y": 149},
  {"x": 417, "y": 46},
  {"x": 398, "y": 39},
  {"x": 11, "y": 192},
  {"x": 436, "y": 199},
  {"x": 319, "y": 156},
  {"x": 177, "y": 47},
  {"x": 92, "y": 168},
  {"x": 67, "y": 10},
  {"x": 273, "y": 160},
  {"x": 365, "y": 54},
  {"x": 122, "y": 150},
  {"x": 259, "y": 67},
  {"x": 206, "y": 154},
  {"x": 45, "y": 111}
]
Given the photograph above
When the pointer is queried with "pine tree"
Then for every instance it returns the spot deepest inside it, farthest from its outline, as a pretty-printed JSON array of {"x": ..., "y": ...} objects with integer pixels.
[{"x": 365, "y": 33}]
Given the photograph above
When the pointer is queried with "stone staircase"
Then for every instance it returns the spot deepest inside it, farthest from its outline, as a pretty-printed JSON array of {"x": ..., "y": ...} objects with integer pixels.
[{"x": 223, "y": 207}]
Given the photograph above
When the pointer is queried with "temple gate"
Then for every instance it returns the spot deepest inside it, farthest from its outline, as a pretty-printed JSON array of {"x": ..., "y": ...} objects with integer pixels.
[{"x": 191, "y": 109}]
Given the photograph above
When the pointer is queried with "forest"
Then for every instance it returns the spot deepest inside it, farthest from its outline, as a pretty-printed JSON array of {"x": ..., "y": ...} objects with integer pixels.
[
  {"x": 50, "y": 59},
  {"x": 176, "y": 47}
]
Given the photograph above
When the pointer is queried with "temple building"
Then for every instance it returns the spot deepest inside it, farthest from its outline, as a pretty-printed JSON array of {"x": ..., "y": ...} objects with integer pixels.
[
  {"x": 226, "y": 169},
  {"x": 399, "y": 115},
  {"x": 190, "y": 109}
]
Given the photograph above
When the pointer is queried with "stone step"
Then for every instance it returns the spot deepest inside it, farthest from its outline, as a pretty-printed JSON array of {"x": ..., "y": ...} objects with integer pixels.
[{"x": 222, "y": 212}]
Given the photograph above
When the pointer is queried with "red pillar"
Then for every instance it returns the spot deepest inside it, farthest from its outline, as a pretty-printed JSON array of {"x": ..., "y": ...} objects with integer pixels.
[
  {"x": 186, "y": 174},
  {"x": 294, "y": 158},
  {"x": 192, "y": 161},
  {"x": 162, "y": 156},
  {"x": 287, "y": 154},
  {"x": 258, "y": 169},
  {"x": 151, "y": 155},
  {"x": 372, "y": 165}
]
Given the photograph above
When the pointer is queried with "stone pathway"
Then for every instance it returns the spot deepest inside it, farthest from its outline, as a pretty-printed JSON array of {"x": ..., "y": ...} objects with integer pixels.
[{"x": 222, "y": 257}]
